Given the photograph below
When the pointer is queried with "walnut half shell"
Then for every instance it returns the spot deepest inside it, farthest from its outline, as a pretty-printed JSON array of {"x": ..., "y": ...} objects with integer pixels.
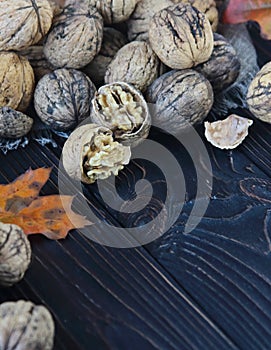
[{"x": 90, "y": 153}]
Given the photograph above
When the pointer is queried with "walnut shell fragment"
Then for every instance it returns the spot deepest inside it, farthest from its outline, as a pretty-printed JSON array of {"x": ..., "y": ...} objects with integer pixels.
[
  {"x": 135, "y": 63},
  {"x": 24, "y": 325},
  {"x": 113, "y": 40},
  {"x": 14, "y": 124},
  {"x": 228, "y": 133},
  {"x": 223, "y": 67},
  {"x": 15, "y": 255},
  {"x": 115, "y": 11},
  {"x": 90, "y": 153},
  {"x": 75, "y": 37},
  {"x": 181, "y": 36},
  {"x": 122, "y": 108},
  {"x": 23, "y": 23},
  {"x": 62, "y": 99},
  {"x": 182, "y": 98},
  {"x": 259, "y": 94},
  {"x": 139, "y": 21},
  {"x": 16, "y": 81}
]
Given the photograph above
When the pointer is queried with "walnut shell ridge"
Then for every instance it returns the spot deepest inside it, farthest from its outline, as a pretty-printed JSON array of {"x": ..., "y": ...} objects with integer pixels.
[
  {"x": 181, "y": 36},
  {"x": 15, "y": 254},
  {"x": 14, "y": 124},
  {"x": 115, "y": 11}
]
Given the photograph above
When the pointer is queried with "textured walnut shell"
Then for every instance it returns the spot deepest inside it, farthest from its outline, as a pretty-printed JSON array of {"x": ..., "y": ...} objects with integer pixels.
[
  {"x": 113, "y": 40},
  {"x": 15, "y": 255},
  {"x": 90, "y": 153},
  {"x": 181, "y": 98},
  {"x": 14, "y": 124},
  {"x": 75, "y": 37},
  {"x": 16, "y": 81},
  {"x": 223, "y": 67},
  {"x": 208, "y": 7},
  {"x": 228, "y": 133},
  {"x": 139, "y": 21},
  {"x": 57, "y": 6},
  {"x": 23, "y": 23},
  {"x": 135, "y": 63},
  {"x": 122, "y": 108},
  {"x": 24, "y": 325},
  {"x": 259, "y": 94},
  {"x": 181, "y": 36},
  {"x": 38, "y": 62},
  {"x": 62, "y": 99},
  {"x": 115, "y": 11}
]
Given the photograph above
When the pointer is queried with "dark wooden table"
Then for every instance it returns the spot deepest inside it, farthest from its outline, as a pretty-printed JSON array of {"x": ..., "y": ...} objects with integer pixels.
[{"x": 207, "y": 289}]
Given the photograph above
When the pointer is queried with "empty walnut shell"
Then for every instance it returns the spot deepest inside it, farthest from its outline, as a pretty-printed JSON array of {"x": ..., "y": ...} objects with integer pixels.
[
  {"x": 208, "y": 7},
  {"x": 181, "y": 98},
  {"x": 223, "y": 67},
  {"x": 14, "y": 124},
  {"x": 23, "y": 23},
  {"x": 123, "y": 109},
  {"x": 113, "y": 40},
  {"x": 90, "y": 153},
  {"x": 228, "y": 133},
  {"x": 62, "y": 99},
  {"x": 24, "y": 325},
  {"x": 16, "y": 81},
  {"x": 15, "y": 255},
  {"x": 75, "y": 37},
  {"x": 139, "y": 21},
  {"x": 181, "y": 36},
  {"x": 115, "y": 11},
  {"x": 259, "y": 94},
  {"x": 135, "y": 63}
]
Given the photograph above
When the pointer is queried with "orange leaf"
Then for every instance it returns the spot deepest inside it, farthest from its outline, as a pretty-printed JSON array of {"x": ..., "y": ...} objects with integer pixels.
[
  {"x": 239, "y": 11},
  {"x": 49, "y": 215}
]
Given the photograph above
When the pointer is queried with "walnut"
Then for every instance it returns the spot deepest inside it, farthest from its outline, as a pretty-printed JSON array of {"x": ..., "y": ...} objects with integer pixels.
[
  {"x": 15, "y": 254},
  {"x": 16, "y": 81},
  {"x": 113, "y": 40},
  {"x": 115, "y": 11},
  {"x": 228, "y": 133},
  {"x": 135, "y": 63},
  {"x": 38, "y": 62},
  {"x": 181, "y": 98},
  {"x": 62, "y": 99},
  {"x": 181, "y": 36},
  {"x": 223, "y": 67},
  {"x": 90, "y": 153},
  {"x": 24, "y": 325},
  {"x": 122, "y": 108},
  {"x": 14, "y": 124},
  {"x": 259, "y": 94},
  {"x": 75, "y": 37},
  {"x": 23, "y": 23},
  {"x": 208, "y": 7},
  {"x": 138, "y": 23}
]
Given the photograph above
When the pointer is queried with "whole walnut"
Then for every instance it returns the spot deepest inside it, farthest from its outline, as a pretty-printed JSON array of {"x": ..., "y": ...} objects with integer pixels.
[
  {"x": 25, "y": 326},
  {"x": 113, "y": 40},
  {"x": 16, "y": 81},
  {"x": 223, "y": 67},
  {"x": 15, "y": 254},
  {"x": 75, "y": 37},
  {"x": 208, "y": 7},
  {"x": 181, "y": 98},
  {"x": 23, "y": 23},
  {"x": 135, "y": 63},
  {"x": 115, "y": 11},
  {"x": 259, "y": 94},
  {"x": 14, "y": 124},
  {"x": 181, "y": 36},
  {"x": 139, "y": 21},
  {"x": 62, "y": 99}
]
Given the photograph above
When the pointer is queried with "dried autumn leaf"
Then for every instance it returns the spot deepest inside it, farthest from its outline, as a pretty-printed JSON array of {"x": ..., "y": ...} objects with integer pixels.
[
  {"x": 49, "y": 215},
  {"x": 239, "y": 11}
]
